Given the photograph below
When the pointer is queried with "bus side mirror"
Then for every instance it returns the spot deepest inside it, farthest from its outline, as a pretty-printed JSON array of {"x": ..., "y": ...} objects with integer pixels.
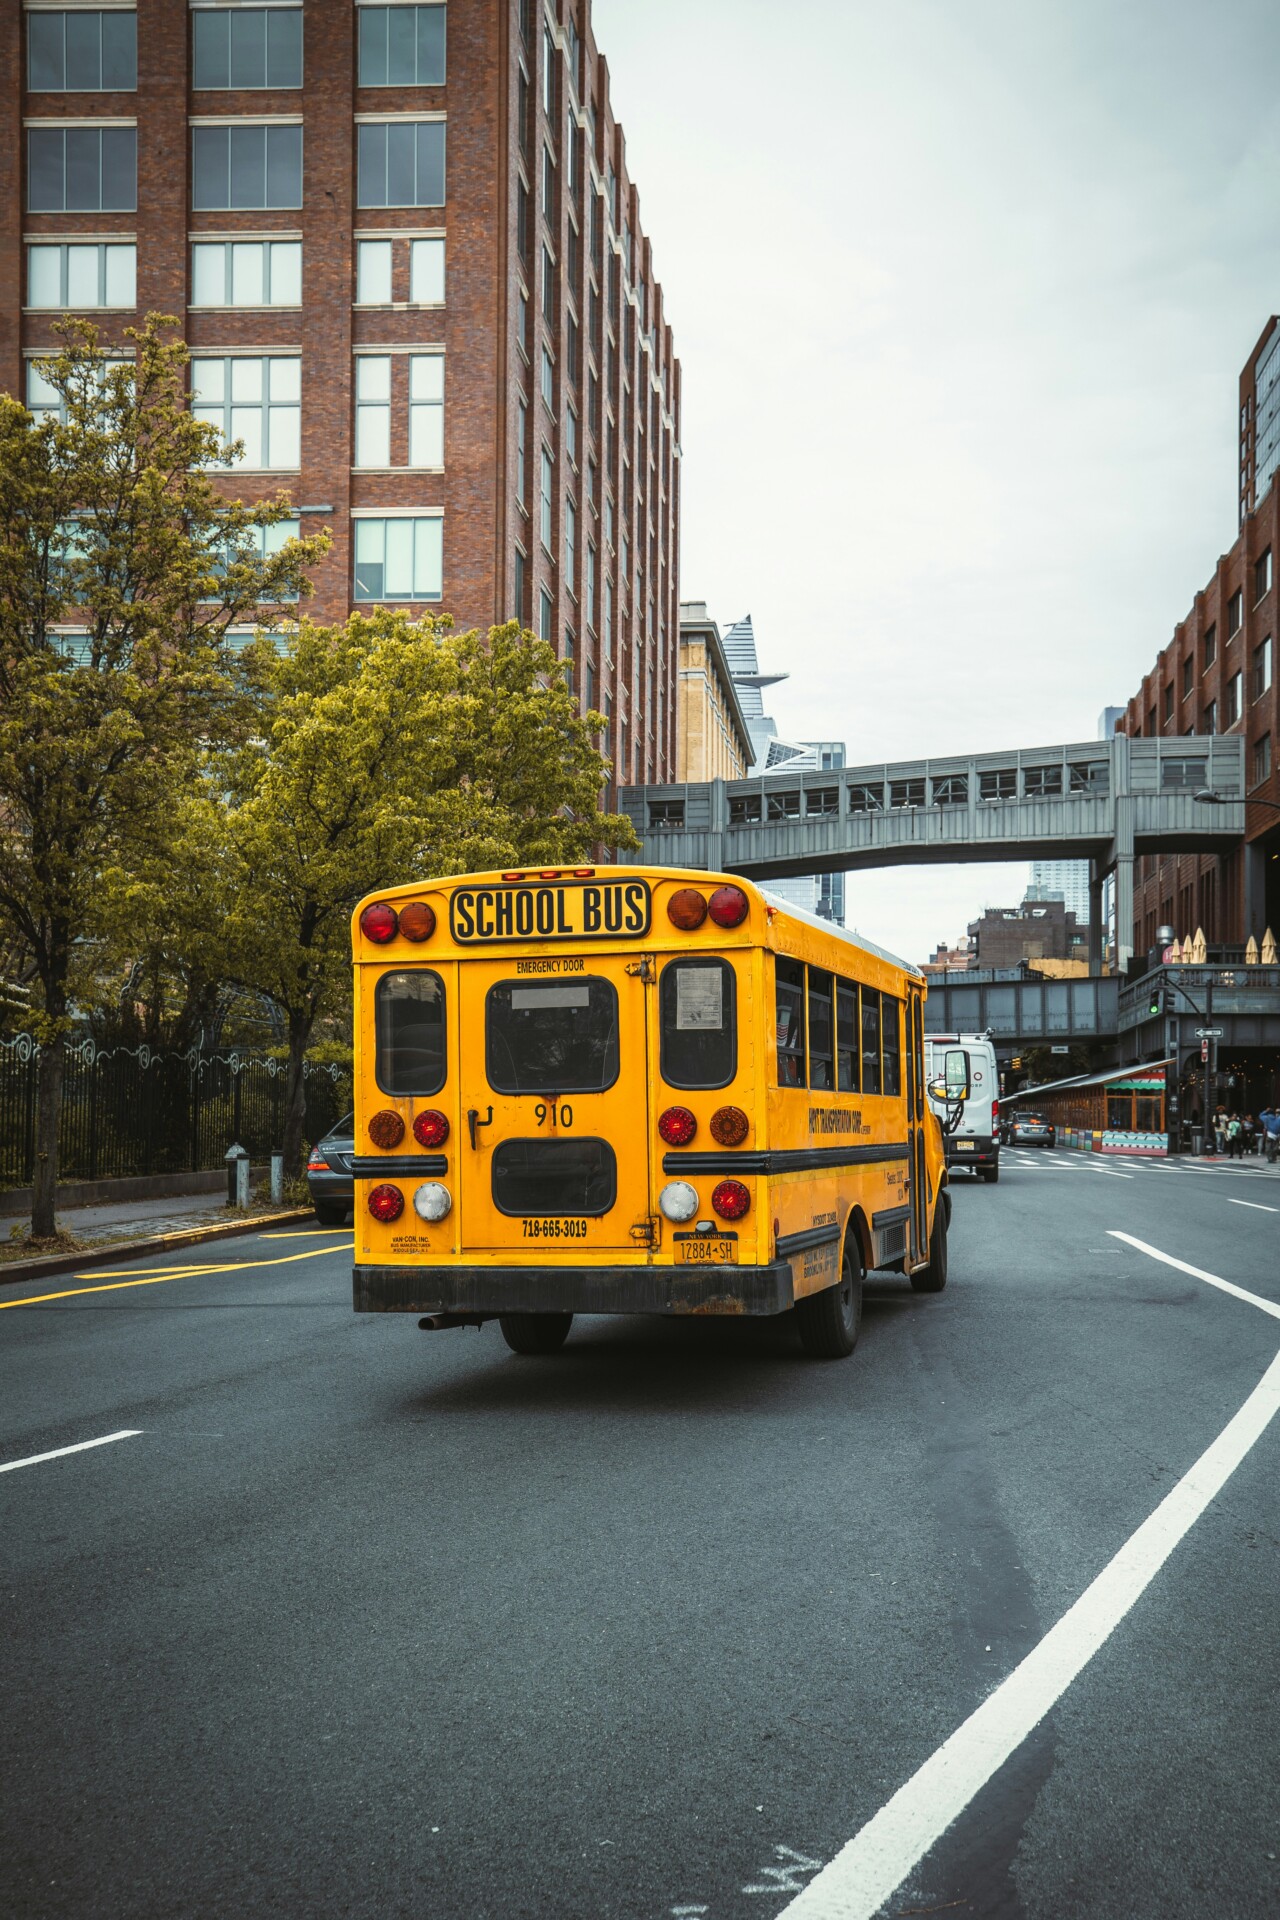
[
  {"x": 956, "y": 1068},
  {"x": 938, "y": 1091}
]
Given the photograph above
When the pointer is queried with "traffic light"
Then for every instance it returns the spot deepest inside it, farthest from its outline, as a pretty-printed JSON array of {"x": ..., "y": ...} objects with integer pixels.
[{"x": 1159, "y": 1003}]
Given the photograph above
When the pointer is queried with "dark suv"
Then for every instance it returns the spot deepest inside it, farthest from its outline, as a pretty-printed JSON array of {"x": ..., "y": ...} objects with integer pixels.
[{"x": 330, "y": 1180}]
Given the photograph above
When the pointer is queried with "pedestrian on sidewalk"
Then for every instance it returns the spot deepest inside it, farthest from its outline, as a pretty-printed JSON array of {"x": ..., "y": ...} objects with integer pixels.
[
  {"x": 1235, "y": 1137},
  {"x": 1219, "y": 1129},
  {"x": 1250, "y": 1134},
  {"x": 1271, "y": 1132}
]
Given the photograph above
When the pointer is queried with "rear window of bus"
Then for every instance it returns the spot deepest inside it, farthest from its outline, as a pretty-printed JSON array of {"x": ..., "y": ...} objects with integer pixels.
[
  {"x": 409, "y": 1055},
  {"x": 698, "y": 1023},
  {"x": 556, "y": 1036}
]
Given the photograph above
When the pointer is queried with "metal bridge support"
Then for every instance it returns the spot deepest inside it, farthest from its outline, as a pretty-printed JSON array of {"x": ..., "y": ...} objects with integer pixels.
[{"x": 1097, "y": 932}]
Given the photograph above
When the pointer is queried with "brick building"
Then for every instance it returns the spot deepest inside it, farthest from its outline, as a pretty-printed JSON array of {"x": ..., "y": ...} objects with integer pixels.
[
  {"x": 407, "y": 255},
  {"x": 1036, "y": 930},
  {"x": 1217, "y": 675}
]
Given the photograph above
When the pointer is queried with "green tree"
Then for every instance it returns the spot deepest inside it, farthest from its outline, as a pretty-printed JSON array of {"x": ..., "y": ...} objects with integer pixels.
[
  {"x": 387, "y": 749},
  {"x": 121, "y": 568}
]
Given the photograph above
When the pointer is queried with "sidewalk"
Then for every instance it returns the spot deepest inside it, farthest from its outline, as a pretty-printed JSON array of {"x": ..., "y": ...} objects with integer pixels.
[
  {"x": 133, "y": 1228},
  {"x": 136, "y": 1218}
]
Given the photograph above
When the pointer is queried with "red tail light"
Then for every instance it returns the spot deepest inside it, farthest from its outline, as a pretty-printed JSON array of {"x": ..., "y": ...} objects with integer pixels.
[
  {"x": 431, "y": 1128},
  {"x": 386, "y": 1129},
  {"x": 995, "y": 1110},
  {"x": 687, "y": 909},
  {"x": 417, "y": 920},
  {"x": 729, "y": 906},
  {"x": 379, "y": 923},
  {"x": 386, "y": 1203},
  {"x": 729, "y": 1126},
  {"x": 317, "y": 1166},
  {"x": 677, "y": 1126},
  {"x": 730, "y": 1200}
]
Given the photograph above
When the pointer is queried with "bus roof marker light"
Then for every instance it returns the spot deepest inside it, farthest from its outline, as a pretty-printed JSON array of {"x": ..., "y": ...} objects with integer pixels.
[
  {"x": 584, "y": 873},
  {"x": 431, "y": 1127},
  {"x": 678, "y": 1201},
  {"x": 677, "y": 1126},
  {"x": 730, "y": 1200},
  {"x": 729, "y": 906},
  {"x": 379, "y": 923},
  {"x": 687, "y": 909},
  {"x": 386, "y": 1203},
  {"x": 386, "y": 1129},
  {"x": 729, "y": 1126},
  {"x": 417, "y": 920}
]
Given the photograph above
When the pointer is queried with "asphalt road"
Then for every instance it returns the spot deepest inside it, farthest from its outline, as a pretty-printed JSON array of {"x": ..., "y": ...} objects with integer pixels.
[{"x": 364, "y": 1621}]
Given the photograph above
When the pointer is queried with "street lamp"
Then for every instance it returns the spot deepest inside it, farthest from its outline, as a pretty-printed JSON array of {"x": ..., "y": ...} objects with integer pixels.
[{"x": 1208, "y": 798}]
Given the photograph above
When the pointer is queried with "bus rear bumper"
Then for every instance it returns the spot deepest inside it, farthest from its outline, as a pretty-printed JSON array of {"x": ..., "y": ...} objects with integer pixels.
[{"x": 492, "y": 1290}]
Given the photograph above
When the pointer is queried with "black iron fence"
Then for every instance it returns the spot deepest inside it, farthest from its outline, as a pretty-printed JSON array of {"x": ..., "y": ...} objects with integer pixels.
[{"x": 138, "y": 1111}]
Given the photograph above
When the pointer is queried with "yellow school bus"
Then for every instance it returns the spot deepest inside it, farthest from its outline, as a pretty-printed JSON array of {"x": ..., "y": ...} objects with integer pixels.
[{"x": 634, "y": 1090}]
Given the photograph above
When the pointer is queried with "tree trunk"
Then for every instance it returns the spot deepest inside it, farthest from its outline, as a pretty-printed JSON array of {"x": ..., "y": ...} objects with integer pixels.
[
  {"x": 53, "y": 1055},
  {"x": 295, "y": 1093}
]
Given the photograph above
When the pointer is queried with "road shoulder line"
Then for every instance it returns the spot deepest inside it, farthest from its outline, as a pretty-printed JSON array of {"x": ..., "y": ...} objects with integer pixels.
[{"x": 1198, "y": 1273}]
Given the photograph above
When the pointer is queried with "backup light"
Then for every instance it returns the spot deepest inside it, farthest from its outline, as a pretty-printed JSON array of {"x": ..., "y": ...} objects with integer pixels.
[
  {"x": 379, "y": 923},
  {"x": 678, "y": 1201},
  {"x": 730, "y": 1200},
  {"x": 386, "y": 1203},
  {"x": 677, "y": 1126},
  {"x": 729, "y": 906},
  {"x": 417, "y": 920},
  {"x": 386, "y": 1129},
  {"x": 431, "y": 1201},
  {"x": 729, "y": 1126},
  {"x": 687, "y": 909},
  {"x": 431, "y": 1128}
]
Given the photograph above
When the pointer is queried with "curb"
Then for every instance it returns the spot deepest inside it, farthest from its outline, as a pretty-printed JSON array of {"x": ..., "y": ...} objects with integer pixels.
[{"x": 98, "y": 1256}]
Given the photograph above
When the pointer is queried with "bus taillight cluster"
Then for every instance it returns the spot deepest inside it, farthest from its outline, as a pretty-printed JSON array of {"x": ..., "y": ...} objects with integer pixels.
[
  {"x": 381, "y": 923},
  {"x": 688, "y": 908}
]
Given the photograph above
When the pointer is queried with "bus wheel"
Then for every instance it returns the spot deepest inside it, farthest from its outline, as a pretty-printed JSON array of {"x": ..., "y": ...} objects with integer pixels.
[
  {"x": 933, "y": 1278},
  {"x": 535, "y": 1332},
  {"x": 829, "y": 1321}
]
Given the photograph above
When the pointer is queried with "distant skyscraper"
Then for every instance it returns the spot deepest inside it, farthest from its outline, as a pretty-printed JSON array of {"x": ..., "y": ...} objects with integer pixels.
[{"x": 1070, "y": 878}]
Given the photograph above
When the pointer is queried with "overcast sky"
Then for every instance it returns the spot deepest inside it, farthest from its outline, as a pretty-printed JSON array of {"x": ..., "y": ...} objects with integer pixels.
[{"x": 962, "y": 290}]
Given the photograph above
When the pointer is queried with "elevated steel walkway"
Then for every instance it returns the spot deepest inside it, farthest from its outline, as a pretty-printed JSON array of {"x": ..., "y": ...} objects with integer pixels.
[{"x": 1105, "y": 801}]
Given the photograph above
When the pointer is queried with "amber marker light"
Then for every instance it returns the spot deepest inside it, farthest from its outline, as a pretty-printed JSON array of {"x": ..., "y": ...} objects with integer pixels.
[
  {"x": 729, "y": 906},
  {"x": 379, "y": 923},
  {"x": 386, "y": 1129},
  {"x": 729, "y": 1126},
  {"x": 686, "y": 909},
  {"x": 386, "y": 1203},
  {"x": 730, "y": 1200},
  {"x": 417, "y": 920},
  {"x": 431, "y": 1128},
  {"x": 677, "y": 1126}
]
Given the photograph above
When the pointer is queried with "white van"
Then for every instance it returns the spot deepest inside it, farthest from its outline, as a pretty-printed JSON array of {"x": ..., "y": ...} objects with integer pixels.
[{"x": 975, "y": 1140}]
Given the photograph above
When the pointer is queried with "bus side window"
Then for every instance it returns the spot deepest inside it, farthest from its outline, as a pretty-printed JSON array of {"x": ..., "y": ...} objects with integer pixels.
[
  {"x": 870, "y": 1040},
  {"x": 848, "y": 1078},
  {"x": 790, "y": 1014},
  {"x": 891, "y": 1042},
  {"x": 821, "y": 1039},
  {"x": 408, "y": 1022}
]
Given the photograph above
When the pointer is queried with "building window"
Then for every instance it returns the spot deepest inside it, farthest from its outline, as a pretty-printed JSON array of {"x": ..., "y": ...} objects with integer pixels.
[
  {"x": 1188, "y": 674},
  {"x": 545, "y": 615},
  {"x": 82, "y": 275},
  {"x": 1262, "y": 668},
  {"x": 259, "y": 543},
  {"x": 82, "y": 51},
  {"x": 522, "y": 322},
  {"x": 402, "y": 164},
  {"x": 1168, "y": 701},
  {"x": 607, "y": 628},
  {"x": 591, "y": 585},
  {"x": 548, "y": 378},
  {"x": 248, "y": 47},
  {"x": 548, "y": 186},
  {"x": 522, "y": 220},
  {"x": 588, "y": 688},
  {"x": 1002, "y": 785},
  {"x": 1262, "y": 759},
  {"x": 1232, "y": 702},
  {"x": 373, "y": 410},
  {"x": 548, "y": 283},
  {"x": 1235, "y": 613},
  {"x": 571, "y": 435},
  {"x": 254, "y": 400},
  {"x": 246, "y": 166},
  {"x": 426, "y": 272},
  {"x": 426, "y": 410},
  {"x": 402, "y": 46},
  {"x": 82, "y": 169},
  {"x": 548, "y": 72},
  {"x": 373, "y": 273},
  {"x": 1210, "y": 724},
  {"x": 400, "y": 559},
  {"x": 521, "y": 576},
  {"x": 1262, "y": 575},
  {"x": 1042, "y": 783},
  {"x": 547, "y": 475},
  {"x": 1210, "y": 647},
  {"x": 522, "y": 440},
  {"x": 951, "y": 791},
  {"x": 570, "y": 542},
  {"x": 246, "y": 273}
]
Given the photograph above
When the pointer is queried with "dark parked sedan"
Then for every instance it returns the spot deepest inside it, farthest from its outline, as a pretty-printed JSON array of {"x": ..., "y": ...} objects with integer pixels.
[
  {"x": 1031, "y": 1130},
  {"x": 329, "y": 1176}
]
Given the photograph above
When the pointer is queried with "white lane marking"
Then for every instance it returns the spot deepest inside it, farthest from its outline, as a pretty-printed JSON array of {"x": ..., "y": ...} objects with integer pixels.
[
  {"x": 1256, "y": 1205},
  {"x": 1112, "y": 1173},
  {"x": 865, "y": 1872},
  {"x": 1198, "y": 1273},
  {"x": 81, "y": 1446}
]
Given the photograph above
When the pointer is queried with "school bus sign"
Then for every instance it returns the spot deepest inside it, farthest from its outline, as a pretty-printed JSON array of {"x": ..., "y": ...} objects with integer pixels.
[{"x": 595, "y": 910}]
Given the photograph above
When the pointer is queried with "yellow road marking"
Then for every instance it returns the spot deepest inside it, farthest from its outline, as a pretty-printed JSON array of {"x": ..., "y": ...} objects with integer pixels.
[
  {"x": 119, "y": 1283},
  {"x": 303, "y": 1233}
]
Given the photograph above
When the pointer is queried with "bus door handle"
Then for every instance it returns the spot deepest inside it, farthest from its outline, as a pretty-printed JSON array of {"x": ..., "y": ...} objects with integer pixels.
[
  {"x": 642, "y": 969},
  {"x": 474, "y": 1121}
]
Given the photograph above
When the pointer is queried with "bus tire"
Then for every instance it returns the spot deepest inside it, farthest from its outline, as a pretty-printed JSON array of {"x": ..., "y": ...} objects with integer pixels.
[
  {"x": 933, "y": 1278},
  {"x": 828, "y": 1321},
  {"x": 535, "y": 1332}
]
